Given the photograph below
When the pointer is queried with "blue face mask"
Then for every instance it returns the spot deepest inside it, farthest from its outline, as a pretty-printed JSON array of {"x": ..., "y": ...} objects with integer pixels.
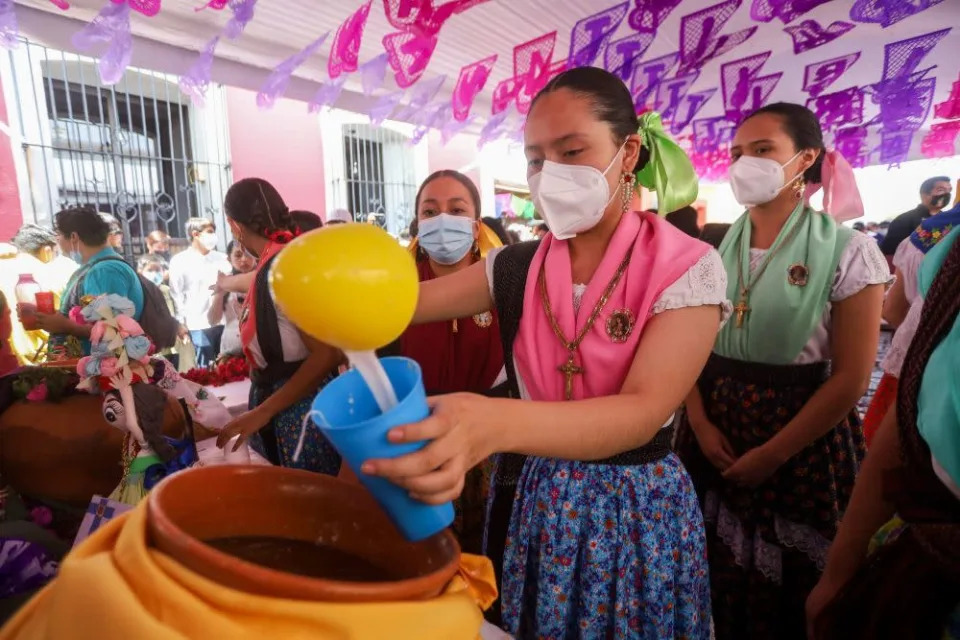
[
  {"x": 74, "y": 253},
  {"x": 156, "y": 277},
  {"x": 446, "y": 238}
]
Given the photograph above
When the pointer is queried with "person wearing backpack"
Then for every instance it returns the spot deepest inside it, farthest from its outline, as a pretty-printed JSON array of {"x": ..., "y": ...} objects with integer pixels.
[{"x": 83, "y": 236}]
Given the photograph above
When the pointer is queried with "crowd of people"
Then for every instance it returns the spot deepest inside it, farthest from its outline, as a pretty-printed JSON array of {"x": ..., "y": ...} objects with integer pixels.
[
  {"x": 650, "y": 428},
  {"x": 82, "y": 255}
]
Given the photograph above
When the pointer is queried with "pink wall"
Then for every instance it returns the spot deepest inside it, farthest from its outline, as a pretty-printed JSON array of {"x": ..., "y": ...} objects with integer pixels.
[
  {"x": 281, "y": 145},
  {"x": 11, "y": 215},
  {"x": 461, "y": 151}
]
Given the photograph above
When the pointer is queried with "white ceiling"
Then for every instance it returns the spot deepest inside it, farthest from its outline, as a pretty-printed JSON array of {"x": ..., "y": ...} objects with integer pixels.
[{"x": 282, "y": 27}]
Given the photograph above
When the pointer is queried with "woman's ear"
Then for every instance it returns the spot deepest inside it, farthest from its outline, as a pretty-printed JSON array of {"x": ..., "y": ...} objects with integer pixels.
[
  {"x": 631, "y": 153},
  {"x": 809, "y": 158}
]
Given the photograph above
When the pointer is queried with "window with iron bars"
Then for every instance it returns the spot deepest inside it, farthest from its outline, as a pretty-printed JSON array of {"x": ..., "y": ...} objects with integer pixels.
[
  {"x": 136, "y": 150},
  {"x": 377, "y": 180}
]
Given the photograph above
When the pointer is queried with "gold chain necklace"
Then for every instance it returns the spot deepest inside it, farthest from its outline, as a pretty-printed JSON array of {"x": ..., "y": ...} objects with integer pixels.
[
  {"x": 569, "y": 368},
  {"x": 743, "y": 308}
]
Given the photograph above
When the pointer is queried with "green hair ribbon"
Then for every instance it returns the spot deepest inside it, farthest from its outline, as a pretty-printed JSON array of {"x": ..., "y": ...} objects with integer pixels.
[{"x": 669, "y": 171}]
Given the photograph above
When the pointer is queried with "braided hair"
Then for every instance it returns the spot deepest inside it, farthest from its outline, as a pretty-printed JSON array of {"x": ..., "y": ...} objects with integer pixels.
[{"x": 256, "y": 204}]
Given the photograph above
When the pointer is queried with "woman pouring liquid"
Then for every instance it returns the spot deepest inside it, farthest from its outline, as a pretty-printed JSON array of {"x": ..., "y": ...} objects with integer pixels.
[{"x": 607, "y": 322}]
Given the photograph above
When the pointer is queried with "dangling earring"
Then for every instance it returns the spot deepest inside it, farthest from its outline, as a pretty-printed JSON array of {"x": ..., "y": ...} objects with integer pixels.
[
  {"x": 626, "y": 190},
  {"x": 799, "y": 187}
]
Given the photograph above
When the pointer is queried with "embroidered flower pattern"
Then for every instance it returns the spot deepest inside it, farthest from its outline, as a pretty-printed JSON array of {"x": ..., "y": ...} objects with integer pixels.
[
  {"x": 926, "y": 239},
  {"x": 618, "y": 551}
]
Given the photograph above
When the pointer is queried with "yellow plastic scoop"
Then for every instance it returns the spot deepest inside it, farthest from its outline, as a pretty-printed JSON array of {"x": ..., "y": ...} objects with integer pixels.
[{"x": 350, "y": 286}]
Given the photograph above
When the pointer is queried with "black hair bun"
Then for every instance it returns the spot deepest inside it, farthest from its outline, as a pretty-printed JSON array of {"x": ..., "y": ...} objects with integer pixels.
[
  {"x": 642, "y": 159},
  {"x": 814, "y": 175}
]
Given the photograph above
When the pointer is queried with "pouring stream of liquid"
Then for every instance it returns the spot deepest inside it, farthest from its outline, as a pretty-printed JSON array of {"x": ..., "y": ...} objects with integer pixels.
[{"x": 373, "y": 373}]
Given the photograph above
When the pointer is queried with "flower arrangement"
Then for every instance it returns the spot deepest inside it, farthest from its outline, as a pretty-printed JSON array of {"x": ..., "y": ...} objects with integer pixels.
[
  {"x": 39, "y": 384},
  {"x": 224, "y": 371}
]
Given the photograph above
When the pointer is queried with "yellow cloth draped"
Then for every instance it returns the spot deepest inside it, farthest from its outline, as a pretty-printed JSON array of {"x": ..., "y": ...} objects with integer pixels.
[
  {"x": 113, "y": 586},
  {"x": 488, "y": 240}
]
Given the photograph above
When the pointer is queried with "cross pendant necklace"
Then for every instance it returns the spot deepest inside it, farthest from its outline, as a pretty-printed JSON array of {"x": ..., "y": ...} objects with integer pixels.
[
  {"x": 742, "y": 308},
  {"x": 570, "y": 368}
]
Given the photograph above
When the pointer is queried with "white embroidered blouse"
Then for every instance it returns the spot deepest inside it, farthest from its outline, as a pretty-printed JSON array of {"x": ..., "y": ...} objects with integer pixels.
[{"x": 907, "y": 260}]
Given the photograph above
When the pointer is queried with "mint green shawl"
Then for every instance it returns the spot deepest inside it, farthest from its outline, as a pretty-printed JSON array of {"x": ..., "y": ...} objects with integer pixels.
[
  {"x": 938, "y": 405},
  {"x": 782, "y": 316}
]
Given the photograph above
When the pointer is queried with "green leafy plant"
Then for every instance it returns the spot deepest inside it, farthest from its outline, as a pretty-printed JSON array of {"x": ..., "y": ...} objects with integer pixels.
[{"x": 39, "y": 384}]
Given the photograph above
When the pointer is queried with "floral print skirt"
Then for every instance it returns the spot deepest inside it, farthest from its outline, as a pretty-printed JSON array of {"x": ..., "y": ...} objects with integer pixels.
[
  {"x": 605, "y": 551},
  {"x": 768, "y": 544},
  {"x": 278, "y": 440}
]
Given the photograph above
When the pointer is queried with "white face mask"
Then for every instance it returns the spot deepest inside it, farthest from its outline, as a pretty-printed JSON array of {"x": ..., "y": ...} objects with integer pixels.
[
  {"x": 757, "y": 181},
  {"x": 208, "y": 240},
  {"x": 571, "y": 198}
]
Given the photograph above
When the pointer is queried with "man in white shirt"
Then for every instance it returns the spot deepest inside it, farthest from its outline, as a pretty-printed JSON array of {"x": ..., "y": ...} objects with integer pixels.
[{"x": 192, "y": 273}]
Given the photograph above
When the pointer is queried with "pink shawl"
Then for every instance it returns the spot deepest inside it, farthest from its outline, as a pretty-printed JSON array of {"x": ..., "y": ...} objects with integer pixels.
[{"x": 660, "y": 255}]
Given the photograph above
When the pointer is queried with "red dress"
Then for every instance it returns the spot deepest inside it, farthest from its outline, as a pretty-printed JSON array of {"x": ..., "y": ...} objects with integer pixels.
[{"x": 459, "y": 355}]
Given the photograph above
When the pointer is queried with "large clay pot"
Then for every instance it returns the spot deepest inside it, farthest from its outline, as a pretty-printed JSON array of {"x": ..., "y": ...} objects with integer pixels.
[
  {"x": 210, "y": 503},
  {"x": 65, "y": 451}
]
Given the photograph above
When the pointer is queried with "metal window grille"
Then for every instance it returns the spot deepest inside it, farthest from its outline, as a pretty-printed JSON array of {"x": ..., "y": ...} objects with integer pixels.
[
  {"x": 378, "y": 183},
  {"x": 136, "y": 150}
]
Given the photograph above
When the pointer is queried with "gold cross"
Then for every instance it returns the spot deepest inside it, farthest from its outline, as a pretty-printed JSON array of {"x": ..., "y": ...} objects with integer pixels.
[
  {"x": 741, "y": 309},
  {"x": 569, "y": 369}
]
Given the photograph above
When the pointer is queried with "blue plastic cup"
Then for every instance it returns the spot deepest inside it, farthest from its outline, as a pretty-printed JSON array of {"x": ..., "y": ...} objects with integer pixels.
[{"x": 349, "y": 417}]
